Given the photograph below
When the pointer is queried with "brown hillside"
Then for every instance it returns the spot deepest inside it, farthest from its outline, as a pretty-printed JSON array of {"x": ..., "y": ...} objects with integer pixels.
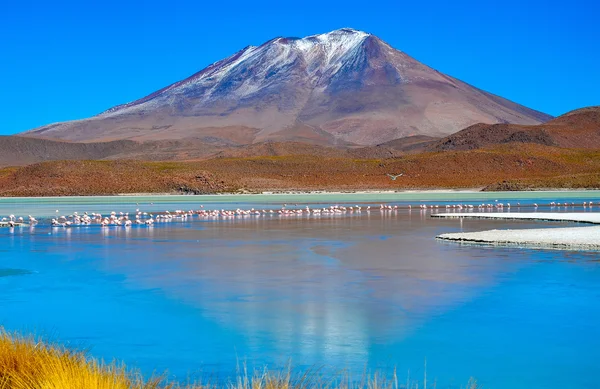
[
  {"x": 20, "y": 151},
  {"x": 274, "y": 149},
  {"x": 579, "y": 117},
  {"x": 505, "y": 166},
  {"x": 395, "y": 148},
  {"x": 81, "y": 178},
  {"x": 576, "y": 129},
  {"x": 15, "y": 150}
]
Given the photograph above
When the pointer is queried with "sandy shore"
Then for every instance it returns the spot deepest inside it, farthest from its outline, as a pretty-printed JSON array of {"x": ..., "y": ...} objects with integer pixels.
[
  {"x": 315, "y": 192},
  {"x": 571, "y": 238}
]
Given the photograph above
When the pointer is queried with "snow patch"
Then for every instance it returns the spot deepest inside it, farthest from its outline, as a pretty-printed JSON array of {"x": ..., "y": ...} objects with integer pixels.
[
  {"x": 571, "y": 238},
  {"x": 321, "y": 56}
]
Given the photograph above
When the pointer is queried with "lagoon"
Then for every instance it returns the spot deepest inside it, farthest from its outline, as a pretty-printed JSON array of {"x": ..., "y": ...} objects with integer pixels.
[{"x": 362, "y": 291}]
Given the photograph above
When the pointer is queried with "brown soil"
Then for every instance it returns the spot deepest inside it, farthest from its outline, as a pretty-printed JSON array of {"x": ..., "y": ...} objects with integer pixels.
[
  {"x": 79, "y": 178},
  {"x": 504, "y": 167},
  {"x": 576, "y": 129},
  {"x": 20, "y": 151},
  {"x": 563, "y": 153}
]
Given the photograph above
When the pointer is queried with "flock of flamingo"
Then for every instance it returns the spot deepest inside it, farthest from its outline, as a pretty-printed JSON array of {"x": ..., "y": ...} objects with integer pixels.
[{"x": 148, "y": 219}]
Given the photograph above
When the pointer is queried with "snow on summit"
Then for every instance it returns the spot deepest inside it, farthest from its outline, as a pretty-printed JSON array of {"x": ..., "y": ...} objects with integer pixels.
[{"x": 329, "y": 47}]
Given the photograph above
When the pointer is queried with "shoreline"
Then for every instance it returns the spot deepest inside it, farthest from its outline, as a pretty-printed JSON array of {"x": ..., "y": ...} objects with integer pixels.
[
  {"x": 570, "y": 238},
  {"x": 468, "y": 191},
  {"x": 570, "y": 217},
  {"x": 563, "y": 238},
  {"x": 38, "y": 363}
]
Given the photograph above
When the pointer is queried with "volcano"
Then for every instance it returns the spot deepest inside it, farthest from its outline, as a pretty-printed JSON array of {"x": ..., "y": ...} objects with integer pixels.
[{"x": 345, "y": 87}]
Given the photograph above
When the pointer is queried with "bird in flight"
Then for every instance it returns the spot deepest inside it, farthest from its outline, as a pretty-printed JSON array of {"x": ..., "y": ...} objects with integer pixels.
[{"x": 393, "y": 177}]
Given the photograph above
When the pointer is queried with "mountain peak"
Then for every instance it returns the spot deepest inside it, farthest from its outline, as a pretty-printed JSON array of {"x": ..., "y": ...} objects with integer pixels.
[
  {"x": 345, "y": 32},
  {"x": 338, "y": 40},
  {"x": 341, "y": 86}
]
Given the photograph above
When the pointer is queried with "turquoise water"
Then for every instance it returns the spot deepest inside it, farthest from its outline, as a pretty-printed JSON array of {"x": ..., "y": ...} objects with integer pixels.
[
  {"x": 363, "y": 291},
  {"x": 47, "y": 206}
]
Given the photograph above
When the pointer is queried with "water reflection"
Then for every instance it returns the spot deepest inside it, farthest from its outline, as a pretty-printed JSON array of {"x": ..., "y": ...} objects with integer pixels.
[
  {"x": 339, "y": 291},
  {"x": 315, "y": 289}
]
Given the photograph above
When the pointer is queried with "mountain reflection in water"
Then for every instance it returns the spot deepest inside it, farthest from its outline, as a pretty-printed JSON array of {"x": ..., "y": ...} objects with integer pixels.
[{"x": 363, "y": 291}]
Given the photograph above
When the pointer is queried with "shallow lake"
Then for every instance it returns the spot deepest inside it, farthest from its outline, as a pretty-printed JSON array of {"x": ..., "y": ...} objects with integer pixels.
[{"x": 362, "y": 291}]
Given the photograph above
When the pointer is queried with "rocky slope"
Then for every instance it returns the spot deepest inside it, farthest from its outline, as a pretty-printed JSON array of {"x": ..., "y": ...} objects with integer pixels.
[
  {"x": 575, "y": 129},
  {"x": 504, "y": 167},
  {"x": 19, "y": 150}
]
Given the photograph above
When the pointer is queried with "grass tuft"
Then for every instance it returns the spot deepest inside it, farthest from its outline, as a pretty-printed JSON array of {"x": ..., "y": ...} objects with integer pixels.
[{"x": 28, "y": 363}]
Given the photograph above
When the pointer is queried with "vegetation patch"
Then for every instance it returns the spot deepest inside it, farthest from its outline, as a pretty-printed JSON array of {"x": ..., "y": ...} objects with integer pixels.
[{"x": 27, "y": 362}]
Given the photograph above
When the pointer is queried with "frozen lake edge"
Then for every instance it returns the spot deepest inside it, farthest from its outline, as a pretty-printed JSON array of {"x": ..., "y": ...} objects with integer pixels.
[{"x": 569, "y": 238}]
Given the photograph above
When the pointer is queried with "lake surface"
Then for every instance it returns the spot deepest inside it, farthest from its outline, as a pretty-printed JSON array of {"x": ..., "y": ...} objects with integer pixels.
[{"x": 370, "y": 291}]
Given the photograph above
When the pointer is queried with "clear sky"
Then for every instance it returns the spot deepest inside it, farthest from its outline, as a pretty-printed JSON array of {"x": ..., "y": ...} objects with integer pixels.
[{"x": 64, "y": 60}]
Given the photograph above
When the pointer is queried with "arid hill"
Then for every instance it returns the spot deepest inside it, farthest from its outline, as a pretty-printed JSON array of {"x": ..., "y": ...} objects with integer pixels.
[
  {"x": 502, "y": 167},
  {"x": 342, "y": 88},
  {"x": 395, "y": 148},
  {"x": 20, "y": 151},
  {"x": 575, "y": 129},
  {"x": 563, "y": 153},
  {"x": 17, "y": 151}
]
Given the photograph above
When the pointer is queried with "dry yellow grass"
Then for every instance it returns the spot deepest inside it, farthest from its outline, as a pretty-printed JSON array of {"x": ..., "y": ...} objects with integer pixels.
[{"x": 28, "y": 363}]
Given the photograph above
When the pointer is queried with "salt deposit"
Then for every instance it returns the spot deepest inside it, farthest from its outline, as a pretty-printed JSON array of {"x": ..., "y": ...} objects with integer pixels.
[
  {"x": 580, "y": 217},
  {"x": 570, "y": 238}
]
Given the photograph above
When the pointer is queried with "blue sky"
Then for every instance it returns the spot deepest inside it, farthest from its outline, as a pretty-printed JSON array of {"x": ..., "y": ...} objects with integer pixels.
[{"x": 67, "y": 60}]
